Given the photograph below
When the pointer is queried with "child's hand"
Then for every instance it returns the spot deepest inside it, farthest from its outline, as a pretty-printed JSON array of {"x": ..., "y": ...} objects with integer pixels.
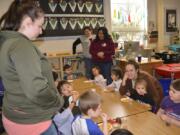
[
  {"x": 104, "y": 117},
  {"x": 75, "y": 95}
]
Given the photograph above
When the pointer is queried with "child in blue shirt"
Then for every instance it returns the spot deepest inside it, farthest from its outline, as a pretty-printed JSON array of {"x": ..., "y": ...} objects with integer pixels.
[
  {"x": 90, "y": 106},
  {"x": 170, "y": 106}
]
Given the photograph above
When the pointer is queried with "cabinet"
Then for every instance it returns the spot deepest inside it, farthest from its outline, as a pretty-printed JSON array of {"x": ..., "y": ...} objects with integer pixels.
[{"x": 144, "y": 65}]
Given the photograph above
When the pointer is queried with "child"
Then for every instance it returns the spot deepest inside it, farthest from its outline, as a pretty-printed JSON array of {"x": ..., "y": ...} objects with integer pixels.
[
  {"x": 142, "y": 94},
  {"x": 68, "y": 73},
  {"x": 116, "y": 75},
  {"x": 170, "y": 106},
  {"x": 98, "y": 78},
  {"x": 64, "y": 118},
  {"x": 121, "y": 132},
  {"x": 90, "y": 106},
  {"x": 66, "y": 90}
]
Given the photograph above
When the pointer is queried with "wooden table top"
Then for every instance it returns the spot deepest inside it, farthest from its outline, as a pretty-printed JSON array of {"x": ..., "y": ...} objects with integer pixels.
[
  {"x": 135, "y": 116},
  {"x": 112, "y": 103},
  {"x": 148, "y": 123}
]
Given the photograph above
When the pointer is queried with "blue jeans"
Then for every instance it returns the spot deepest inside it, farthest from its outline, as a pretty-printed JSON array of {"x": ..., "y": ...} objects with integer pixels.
[
  {"x": 51, "y": 130},
  {"x": 88, "y": 68},
  {"x": 105, "y": 70}
]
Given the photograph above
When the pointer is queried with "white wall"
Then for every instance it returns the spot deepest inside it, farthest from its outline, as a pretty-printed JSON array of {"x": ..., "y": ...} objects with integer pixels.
[{"x": 66, "y": 44}]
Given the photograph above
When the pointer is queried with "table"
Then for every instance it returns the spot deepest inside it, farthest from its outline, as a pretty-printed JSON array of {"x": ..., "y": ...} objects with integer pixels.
[
  {"x": 147, "y": 66},
  {"x": 112, "y": 103},
  {"x": 169, "y": 70},
  {"x": 135, "y": 116},
  {"x": 148, "y": 123}
]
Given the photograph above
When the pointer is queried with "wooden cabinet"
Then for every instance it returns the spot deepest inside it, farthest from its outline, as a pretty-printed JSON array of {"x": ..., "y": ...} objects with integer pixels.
[{"x": 144, "y": 65}]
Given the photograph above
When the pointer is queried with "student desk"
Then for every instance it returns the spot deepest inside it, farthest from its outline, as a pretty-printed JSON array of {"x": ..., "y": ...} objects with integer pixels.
[
  {"x": 147, "y": 66},
  {"x": 169, "y": 70},
  {"x": 148, "y": 123},
  {"x": 112, "y": 103}
]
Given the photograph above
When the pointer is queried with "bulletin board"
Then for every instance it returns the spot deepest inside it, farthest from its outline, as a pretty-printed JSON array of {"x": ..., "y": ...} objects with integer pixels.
[{"x": 68, "y": 17}]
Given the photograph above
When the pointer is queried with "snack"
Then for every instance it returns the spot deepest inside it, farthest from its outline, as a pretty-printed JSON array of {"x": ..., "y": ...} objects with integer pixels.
[
  {"x": 109, "y": 126},
  {"x": 126, "y": 99}
]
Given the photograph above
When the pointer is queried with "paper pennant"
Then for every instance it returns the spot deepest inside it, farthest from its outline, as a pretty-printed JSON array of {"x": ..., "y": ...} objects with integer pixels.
[
  {"x": 101, "y": 22},
  {"x": 80, "y": 6},
  {"x": 45, "y": 24},
  {"x": 64, "y": 22},
  {"x": 72, "y": 23},
  {"x": 98, "y": 7},
  {"x": 89, "y": 6},
  {"x": 63, "y": 5},
  {"x": 87, "y": 22},
  {"x": 93, "y": 22},
  {"x": 81, "y": 23},
  {"x": 53, "y": 22},
  {"x": 52, "y": 6},
  {"x": 72, "y": 5}
]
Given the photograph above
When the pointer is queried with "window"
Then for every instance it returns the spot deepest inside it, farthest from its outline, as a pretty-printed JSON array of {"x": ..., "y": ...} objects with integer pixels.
[{"x": 129, "y": 20}]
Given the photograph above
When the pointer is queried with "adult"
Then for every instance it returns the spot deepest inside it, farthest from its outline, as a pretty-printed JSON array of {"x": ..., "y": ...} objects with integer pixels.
[
  {"x": 85, "y": 40},
  {"x": 132, "y": 72},
  {"x": 30, "y": 97},
  {"x": 102, "y": 49}
]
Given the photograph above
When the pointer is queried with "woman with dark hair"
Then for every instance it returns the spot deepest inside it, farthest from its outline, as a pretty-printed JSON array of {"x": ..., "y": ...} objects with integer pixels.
[
  {"x": 30, "y": 98},
  {"x": 102, "y": 49},
  {"x": 85, "y": 40},
  {"x": 132, "y": 73}
]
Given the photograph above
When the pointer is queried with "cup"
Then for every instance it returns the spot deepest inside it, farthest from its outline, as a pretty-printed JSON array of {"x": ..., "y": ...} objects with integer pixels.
[{"x": 139, "y": 58}]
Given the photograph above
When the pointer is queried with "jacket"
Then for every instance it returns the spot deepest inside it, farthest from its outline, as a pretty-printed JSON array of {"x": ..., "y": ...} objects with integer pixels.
[{"x": 30, "y": 94}]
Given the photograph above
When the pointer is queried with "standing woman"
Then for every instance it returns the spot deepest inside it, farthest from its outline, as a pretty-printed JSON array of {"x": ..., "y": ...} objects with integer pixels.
[
  {"x": 30, "y": 98},
  {"x": 85, "y": 41},
  {"x": 102, "y": 49},
  {"x": 132, "y": 73}
]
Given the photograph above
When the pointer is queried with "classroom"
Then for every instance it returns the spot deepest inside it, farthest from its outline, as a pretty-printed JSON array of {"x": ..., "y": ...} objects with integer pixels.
[{"x": 89, "y": 67}]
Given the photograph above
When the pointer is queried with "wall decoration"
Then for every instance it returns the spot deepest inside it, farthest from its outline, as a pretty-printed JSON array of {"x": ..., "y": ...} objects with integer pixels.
[
  {"x": 171, "y": 18},
  {"x": 68, "y": 17}
]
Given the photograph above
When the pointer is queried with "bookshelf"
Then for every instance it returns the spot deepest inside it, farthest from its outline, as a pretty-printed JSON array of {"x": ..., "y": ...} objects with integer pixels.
[{"x": 58, "y": 60}]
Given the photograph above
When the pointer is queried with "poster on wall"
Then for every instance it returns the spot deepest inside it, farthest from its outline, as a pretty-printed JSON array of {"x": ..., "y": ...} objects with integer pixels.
[
  {"x": 68, "y": 17},
  {"x": 171, "y": 18}
]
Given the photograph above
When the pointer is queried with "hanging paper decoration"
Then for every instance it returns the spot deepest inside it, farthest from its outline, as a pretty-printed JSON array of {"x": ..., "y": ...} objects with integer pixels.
[
  {"x": 72, "y": 5},
  {"x": 45, "y": 24},
  {"x": 52, "y": 5},
  {"x": 93, "y": 22},
  {"x": 129, "y": 18},
  {"x": 53, "y": 22},
  {"x": 72, "y": 22},
  {"x": 80, "y": 5},
  {"x": 89, "y": 6},
  {"x": 64, "y": 23},
  {"x": 98, "y": 7},
  {"x": 63, "y": 5},
  {"x": 101, "y": 22},
  {"x": 81, "y": 23},
  {"x": 87, "y": 21}
]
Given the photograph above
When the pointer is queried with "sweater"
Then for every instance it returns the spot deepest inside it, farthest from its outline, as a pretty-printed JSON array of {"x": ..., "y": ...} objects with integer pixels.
[
  {"x": 106, "y": 46},
  {"x": 30, "y": 94},
  {"x": 152, "y": 84}
]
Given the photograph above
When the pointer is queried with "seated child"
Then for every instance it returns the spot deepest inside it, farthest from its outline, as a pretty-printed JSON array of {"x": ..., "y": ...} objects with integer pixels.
[
  {"x": 98, "y": 77},
  {"x": 121, "y": 132},
  {"x": 68, "y": 73},
  {"x": 116, "y": 75},
  {"x": 64, "y": 117},
  {"x": 142, "y": 94},
  {"x": 90, "y": 106},
  {"x": 170, "y": 106}
]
